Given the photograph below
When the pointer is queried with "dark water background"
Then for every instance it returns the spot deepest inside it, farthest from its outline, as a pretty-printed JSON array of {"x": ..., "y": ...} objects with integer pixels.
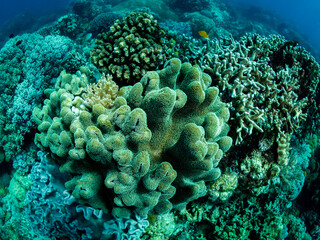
[
  {"x": 301, "y": 14},
  {"x": 12, "y": 8},
  {"x": 28, "y": 11}
]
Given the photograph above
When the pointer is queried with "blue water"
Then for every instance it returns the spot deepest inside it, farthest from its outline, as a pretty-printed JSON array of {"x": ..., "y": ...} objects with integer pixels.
[
  {"x": 302, "y": 15},
  {"x": 38, "y": 8}
]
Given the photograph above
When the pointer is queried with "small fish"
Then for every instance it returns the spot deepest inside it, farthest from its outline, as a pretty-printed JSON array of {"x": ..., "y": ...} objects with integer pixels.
[
  {"x": 203, "y": 34},
  {"x": 87, "y": 37},
  {"x": 18, "y": 42},
  {"x": 305, "y": 174},
  {"x": 11, "y": 35}
]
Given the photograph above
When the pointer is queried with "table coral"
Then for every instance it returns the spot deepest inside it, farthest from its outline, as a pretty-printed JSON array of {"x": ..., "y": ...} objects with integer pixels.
[{"x": 154, "y": 149}]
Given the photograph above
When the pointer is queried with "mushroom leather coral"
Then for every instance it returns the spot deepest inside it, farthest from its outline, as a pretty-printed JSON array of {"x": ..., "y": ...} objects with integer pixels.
[{"x": 153, "y": 150}]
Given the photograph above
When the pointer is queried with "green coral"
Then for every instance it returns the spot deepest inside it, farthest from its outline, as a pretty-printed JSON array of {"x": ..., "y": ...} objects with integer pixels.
[
  {"x": 133, "y": 46},
  {"x": 162, "y": 227},
  {"x": 155, "y": 149},
  {"x": 243, "y": 217},
  {"x": 256, "y": 172}
]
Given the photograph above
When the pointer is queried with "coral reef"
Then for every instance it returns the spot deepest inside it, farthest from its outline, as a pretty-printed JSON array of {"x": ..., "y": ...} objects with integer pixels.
[
  {"x": 53, "y": 212},
  {"x": 88, "y": 9},
  {"x": 294, "y": 173},
  {"x": 256, "y": 173},
  {"x": 23, "y": 162},
  {"x": 49, "y": 208},
  {"x": 67, "y": 25},
  {"x": 179, "y": 28},
  {"x": 162, "y": 227},
  {"x": 103, "y": 22},
  {"x": 242, "y": 217},
  {"x": 187, "y": 5},
  {"x": 137, "y": 144},
  {"x": 224, "y": 187},
  {"x": 13, "y": 221},
  {"x": 133, "y": 150},
  {"x": 158, "y": 8},
  {"x": 133, "y": 46},
  {"x": 123, "y": 228}
]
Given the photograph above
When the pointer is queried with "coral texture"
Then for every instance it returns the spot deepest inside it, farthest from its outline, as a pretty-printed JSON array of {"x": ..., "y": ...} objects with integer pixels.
[
  {"x": 263, "y": 90},
  {"x": 53, "y": 213},
  {"x": 103, "y": 22},
  {"x": 103, "y": 92},
  {"x": 133, "y": 46},
  {"x": 155, "y": 149},
  {"x": 25, "y": 71}
]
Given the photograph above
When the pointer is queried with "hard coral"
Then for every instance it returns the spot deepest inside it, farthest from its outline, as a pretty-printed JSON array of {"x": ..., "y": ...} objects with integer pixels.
[
  {"x": 264, "y": 94},
  {"x": 156, "y": 148},
  {"x": 133, "y": 46}
]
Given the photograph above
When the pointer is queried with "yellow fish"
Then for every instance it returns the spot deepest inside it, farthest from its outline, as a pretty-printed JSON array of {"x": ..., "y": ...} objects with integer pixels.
[{"x": 203, "y": 34}]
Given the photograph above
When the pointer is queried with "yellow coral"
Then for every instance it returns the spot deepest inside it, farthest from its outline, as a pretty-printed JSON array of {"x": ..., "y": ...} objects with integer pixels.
[{"x": 103, "y": 92}]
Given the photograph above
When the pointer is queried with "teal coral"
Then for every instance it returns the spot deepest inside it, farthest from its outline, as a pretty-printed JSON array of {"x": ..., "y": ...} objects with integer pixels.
[
  {"x": 13, "y": 221},
  {"x": 25, "y": 71},
  {"x": 137, "y": 146}
]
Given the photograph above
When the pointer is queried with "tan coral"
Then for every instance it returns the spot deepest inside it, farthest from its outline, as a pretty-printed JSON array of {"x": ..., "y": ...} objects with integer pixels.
[
  {"x": 262, "y": 88},
  {"x": 103, "y": 92}
]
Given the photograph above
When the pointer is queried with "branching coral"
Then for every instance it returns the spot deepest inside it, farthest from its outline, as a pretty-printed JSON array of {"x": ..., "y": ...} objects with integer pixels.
[{"x": 265, "y": 98}]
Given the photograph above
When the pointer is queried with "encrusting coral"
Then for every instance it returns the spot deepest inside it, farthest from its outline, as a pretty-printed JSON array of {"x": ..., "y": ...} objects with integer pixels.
[{"x": 154, "y": 149}]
